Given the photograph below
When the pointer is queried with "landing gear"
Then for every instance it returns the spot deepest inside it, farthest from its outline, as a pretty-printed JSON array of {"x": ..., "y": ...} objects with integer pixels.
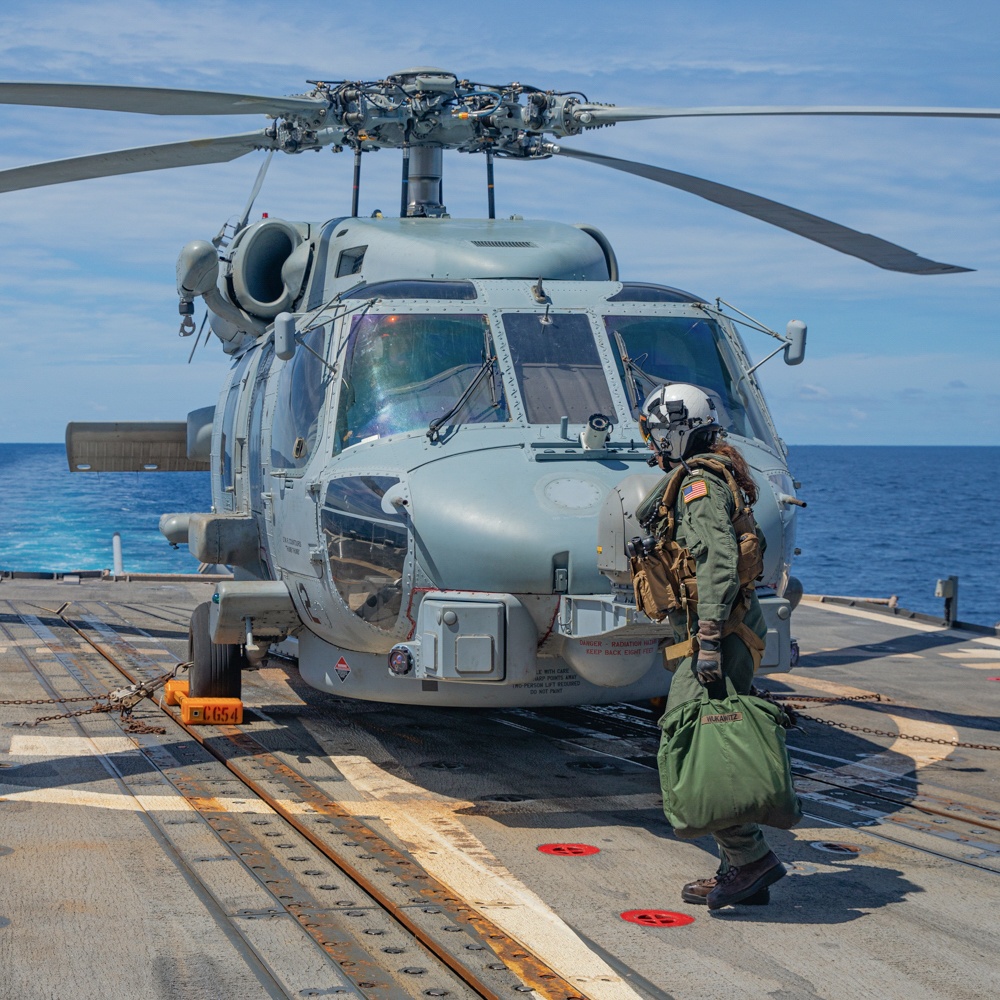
[{"x": 216, "y": 668}]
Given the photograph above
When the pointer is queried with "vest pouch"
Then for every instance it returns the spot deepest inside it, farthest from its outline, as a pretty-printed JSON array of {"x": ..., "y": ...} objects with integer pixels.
[
  {"x": 675, "y": 655},
  {"x": 657, "y": 580},
  {"x": 650, "y": 586},
  {"x": 750, "y": 560}
]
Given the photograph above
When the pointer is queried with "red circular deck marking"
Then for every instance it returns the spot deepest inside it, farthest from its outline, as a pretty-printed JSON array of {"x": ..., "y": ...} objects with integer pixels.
[
  {"x": 569, "y": 850},
  {"x": 657, "y": 918}
]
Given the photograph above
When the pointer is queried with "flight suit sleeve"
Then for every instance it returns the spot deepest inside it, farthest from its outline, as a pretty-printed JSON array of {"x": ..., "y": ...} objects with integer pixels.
[{"x": 716, "y": 552}]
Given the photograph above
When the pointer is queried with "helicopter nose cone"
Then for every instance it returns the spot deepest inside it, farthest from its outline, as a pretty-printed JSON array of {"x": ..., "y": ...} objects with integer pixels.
[{"x": 495, "y": 521}]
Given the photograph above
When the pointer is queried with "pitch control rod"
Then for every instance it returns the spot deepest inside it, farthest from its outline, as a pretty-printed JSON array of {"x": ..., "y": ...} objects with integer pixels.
[{"x": 357, "y": 182}]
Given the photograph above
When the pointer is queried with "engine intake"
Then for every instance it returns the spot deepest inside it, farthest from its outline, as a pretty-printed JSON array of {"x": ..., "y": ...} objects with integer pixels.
[{"x": 270, "y": 261}]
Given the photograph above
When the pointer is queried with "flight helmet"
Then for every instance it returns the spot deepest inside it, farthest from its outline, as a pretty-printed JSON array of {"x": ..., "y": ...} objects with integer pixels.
[{"x": 673, "y": 414}]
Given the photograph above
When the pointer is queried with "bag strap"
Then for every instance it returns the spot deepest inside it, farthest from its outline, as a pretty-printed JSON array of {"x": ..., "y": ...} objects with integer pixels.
[
  {"x": 668, "y": 500},
  {"x": 731, "y": 691}
]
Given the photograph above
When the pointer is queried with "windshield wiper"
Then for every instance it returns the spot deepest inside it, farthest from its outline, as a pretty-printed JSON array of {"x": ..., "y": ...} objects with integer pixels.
[
  {"x": 632, "y": 370},
  {"x": 434, "y": 429}
]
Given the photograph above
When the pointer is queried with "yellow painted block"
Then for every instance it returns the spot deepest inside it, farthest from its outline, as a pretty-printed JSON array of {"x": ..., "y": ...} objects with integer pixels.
[
  {"x": 174, "y": 690},
  {"x": 211, "y": 711}
]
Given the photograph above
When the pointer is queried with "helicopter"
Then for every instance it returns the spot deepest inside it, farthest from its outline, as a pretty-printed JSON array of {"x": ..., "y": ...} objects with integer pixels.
[{"x": 426, "y": 456}]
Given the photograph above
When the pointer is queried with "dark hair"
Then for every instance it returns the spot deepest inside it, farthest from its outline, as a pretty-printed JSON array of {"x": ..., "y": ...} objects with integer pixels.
[
  {"x": 707, "y": 439},
  {"x": 741, "y": 471}
]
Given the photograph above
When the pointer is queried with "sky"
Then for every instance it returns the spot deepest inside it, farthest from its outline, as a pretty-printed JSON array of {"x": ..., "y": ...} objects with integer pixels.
[{"x": 88, "y": 318}]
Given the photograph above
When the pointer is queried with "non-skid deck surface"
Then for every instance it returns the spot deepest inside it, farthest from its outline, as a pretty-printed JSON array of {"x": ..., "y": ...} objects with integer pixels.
[{"x": 112, "y": 885}]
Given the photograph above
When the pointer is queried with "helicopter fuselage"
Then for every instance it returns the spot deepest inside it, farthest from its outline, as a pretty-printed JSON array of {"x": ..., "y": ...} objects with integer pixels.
[{"x": 414, "y": 484}]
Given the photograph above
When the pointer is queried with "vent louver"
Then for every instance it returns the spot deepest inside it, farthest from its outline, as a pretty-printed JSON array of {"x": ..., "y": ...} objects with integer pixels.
[{"x": 503, "y": 243}]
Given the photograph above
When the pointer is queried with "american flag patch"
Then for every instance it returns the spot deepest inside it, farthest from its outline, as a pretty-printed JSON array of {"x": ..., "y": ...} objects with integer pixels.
[{"x": 699, "y": 488}]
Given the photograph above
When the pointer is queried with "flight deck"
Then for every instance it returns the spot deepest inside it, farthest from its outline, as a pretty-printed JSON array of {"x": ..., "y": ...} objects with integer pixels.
[{"x": 330, "y": 846}]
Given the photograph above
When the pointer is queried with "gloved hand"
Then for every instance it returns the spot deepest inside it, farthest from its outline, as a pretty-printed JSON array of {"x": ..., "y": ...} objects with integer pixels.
[{"x": 708, "y": 665}]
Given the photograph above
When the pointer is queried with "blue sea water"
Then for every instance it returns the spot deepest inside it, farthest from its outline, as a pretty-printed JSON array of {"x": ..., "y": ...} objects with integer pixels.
[
  {"x": 880, "y": 520},
  {"x": 893, "y": 520},
  {"x": 52, "y": 519}
]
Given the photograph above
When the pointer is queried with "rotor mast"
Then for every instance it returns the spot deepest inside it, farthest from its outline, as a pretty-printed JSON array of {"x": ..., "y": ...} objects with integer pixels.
[{"x": 424, "y": 187}]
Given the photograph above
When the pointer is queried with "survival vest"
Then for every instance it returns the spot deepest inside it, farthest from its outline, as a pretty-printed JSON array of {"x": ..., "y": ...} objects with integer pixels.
[{"x": 665, "y": 580}]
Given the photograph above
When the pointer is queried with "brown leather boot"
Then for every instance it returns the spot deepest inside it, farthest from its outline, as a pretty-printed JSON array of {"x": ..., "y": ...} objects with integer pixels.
[
  {"x": 698, "y": 890},
  {"x": 738, "y": 884}
]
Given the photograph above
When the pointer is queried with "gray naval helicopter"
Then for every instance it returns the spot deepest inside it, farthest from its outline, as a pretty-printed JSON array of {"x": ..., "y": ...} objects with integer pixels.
[{"x": 426, "y": 456}]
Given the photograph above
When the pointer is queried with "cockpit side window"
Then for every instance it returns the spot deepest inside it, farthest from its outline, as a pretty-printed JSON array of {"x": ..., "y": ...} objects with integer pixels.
[
  {"x": 558, "y": 369},
  {"x": 685, "y": 349},
  {"x": 403, "y": 371},
  {"x": 298, "y": 407},
  {"x": 366, "y": 547}
]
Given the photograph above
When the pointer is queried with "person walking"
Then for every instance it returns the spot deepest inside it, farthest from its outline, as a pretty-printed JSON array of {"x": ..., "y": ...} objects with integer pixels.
[{"x": 707, "y": 488}]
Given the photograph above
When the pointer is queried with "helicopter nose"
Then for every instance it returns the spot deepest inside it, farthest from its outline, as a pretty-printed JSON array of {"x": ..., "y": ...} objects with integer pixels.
[{"x": 492, "y": 521}]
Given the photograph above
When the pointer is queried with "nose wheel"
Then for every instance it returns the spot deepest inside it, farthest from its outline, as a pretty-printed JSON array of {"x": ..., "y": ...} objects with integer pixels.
[{"x": 216, "y": 668}]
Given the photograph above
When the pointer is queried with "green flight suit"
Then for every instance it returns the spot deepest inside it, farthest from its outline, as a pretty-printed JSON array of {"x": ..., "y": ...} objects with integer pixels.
[{"x": 704, "y": 527}]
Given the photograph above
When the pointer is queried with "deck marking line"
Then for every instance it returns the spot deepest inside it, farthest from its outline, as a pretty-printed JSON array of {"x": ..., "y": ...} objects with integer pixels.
[
  {"x": 831, "y": 688},
  {"x": 69, "y": 746},
  {"x": 117, "y": 801},
  {"x": 901, "y": 622},
  {"x": 921, "y": 754},
  {"x": 447, "y": 850}
]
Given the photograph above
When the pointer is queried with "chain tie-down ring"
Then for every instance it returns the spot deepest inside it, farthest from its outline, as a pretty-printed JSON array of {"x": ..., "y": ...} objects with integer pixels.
[{"x": 124, "y": 699}]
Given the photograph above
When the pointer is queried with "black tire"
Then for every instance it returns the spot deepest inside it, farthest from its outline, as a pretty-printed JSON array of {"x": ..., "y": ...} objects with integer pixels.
[{"x": 216, "y": 668}]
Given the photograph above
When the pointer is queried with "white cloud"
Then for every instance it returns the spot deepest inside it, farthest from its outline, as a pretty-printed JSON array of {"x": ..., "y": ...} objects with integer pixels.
[
  {"x": 939, "y": 398},
  {"x": 807, "y": 391},
  {"x": 87, "y": 269}
]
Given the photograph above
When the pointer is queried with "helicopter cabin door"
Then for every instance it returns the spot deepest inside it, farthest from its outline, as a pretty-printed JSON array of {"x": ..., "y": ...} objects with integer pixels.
[
  {"x": 232, "y": 439},
  {"x": 254, "y": 471}
]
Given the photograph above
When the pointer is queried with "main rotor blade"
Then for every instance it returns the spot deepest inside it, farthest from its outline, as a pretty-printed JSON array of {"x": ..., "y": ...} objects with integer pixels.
[
  {"x": 599, "y": 115},
  {"x": 133, "y": 161},
  {"x": 257, "y": 185},
  {"x": 153, "y": 100},
  {"x": 869, "y": 248}
]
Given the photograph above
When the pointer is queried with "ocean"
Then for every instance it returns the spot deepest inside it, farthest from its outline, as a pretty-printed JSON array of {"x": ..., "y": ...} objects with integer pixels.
[
  {"x": 893, "y": 520},
  {"x": 55, "y": 520},
  {"x": 880, "y": 520}
]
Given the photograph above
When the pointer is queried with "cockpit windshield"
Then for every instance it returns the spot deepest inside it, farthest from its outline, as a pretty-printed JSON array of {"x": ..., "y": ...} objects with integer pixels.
[
  {"x": 557, "y": 366},
  {"x": 685, "y": 349},
  {"x": 403, "y": 371}
]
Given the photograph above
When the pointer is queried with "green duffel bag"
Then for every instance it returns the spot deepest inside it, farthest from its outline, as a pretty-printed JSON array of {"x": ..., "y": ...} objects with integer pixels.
[{"x": 723, "y": 762}]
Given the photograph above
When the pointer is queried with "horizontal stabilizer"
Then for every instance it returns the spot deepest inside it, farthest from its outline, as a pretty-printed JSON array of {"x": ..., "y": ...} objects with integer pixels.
[{"x": 130, "y": 447}]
